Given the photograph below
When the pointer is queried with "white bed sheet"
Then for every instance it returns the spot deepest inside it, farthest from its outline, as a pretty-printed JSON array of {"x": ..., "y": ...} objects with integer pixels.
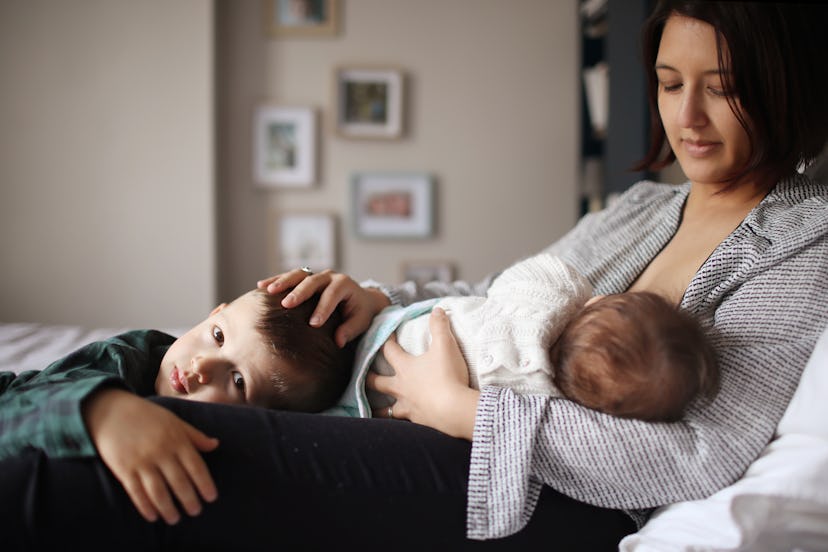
[{"x": 33, "y": 346}]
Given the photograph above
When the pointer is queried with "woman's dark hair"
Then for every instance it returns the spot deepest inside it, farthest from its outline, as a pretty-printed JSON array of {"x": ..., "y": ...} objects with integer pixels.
[
  {"x": 318, "y": 369},
  {"x": 777, "y": 58}
]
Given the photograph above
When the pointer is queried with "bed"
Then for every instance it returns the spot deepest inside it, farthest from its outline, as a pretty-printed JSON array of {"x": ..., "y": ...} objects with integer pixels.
[{"x": 781, "y": 502}]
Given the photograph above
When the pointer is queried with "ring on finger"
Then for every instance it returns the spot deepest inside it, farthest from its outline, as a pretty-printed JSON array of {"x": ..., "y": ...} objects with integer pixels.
[
  {"x": 391, "y": 412},
  {"x": 306, "y": 270}
]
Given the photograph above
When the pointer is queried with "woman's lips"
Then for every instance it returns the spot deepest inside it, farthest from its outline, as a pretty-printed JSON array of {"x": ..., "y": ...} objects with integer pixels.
[
  {"x": 699, "y": 148},
  {"x": 177, "y": 383}
]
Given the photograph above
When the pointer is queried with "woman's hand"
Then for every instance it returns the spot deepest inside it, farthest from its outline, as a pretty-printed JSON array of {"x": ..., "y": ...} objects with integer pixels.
[
  {"x": 359, "y": 305},
  {"x": 431, "y": 389},
  {"x": 151, "y": 452}
]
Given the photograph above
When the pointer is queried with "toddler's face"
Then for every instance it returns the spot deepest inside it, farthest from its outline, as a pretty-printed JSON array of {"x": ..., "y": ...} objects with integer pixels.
[{"x": 224, "y": 359}]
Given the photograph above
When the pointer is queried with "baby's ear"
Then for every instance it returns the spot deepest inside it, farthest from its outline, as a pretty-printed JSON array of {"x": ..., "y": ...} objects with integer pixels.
[{"x": 218, "y": 309}]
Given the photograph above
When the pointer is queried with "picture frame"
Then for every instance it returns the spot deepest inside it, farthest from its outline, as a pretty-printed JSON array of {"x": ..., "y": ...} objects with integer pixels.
[
  {"x": 369, "y": 102},
  {"x": 301, "y": 18},
  {"x": 424, "y": 271},
  {"x": 393, "y": 204},
  {"x": 284, "y": 146},
  {"x": 304, "y": 239}
]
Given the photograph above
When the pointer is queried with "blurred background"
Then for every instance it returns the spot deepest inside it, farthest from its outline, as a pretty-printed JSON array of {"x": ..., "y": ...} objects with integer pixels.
[{"x": 126, "y": 143}]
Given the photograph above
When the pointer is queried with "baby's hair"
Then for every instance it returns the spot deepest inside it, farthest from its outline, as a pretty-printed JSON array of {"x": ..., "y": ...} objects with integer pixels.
[
  {"x": 635, "y": 355},
  {"x": 319, "y": 370}
]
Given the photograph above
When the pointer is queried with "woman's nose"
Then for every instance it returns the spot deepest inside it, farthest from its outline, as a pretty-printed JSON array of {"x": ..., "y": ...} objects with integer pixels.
[{"x": 691, "y": 111}]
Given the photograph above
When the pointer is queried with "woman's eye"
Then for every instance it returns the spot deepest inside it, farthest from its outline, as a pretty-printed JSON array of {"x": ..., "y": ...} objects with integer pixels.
[
  {"x": 218, "y": 335},
  {"x": 717, "y": 91},
  {"x": 238, "y": 381},
  {"x": 670, "y": 87}
]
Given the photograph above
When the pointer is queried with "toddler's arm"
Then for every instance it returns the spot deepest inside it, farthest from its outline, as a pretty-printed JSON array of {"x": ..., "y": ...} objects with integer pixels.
[{"x": 151, "y": 452}]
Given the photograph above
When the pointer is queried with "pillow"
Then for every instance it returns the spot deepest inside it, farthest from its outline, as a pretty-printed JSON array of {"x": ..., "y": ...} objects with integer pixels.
[{"x": 781, "y": 503}]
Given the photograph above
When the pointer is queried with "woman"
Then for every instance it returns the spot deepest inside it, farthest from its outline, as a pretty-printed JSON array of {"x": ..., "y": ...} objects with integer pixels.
[{"x": 743, "y": 247}]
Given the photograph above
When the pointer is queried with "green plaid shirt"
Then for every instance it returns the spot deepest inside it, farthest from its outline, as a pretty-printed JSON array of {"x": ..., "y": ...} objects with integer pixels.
[{"x": 42, "y": 409}]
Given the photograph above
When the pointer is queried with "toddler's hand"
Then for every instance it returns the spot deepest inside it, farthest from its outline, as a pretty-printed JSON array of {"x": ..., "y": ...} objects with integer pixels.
[{"x": 151, "y": 452}]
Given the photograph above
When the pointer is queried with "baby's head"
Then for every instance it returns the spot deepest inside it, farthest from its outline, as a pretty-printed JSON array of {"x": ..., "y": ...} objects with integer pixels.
[
  {"x": 634, "y": 355},
  {"x": 254, "y": 351}
]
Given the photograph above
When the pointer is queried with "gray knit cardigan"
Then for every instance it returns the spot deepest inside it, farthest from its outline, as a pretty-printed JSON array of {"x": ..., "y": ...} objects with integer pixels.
[{"x": 764, "y": 295}]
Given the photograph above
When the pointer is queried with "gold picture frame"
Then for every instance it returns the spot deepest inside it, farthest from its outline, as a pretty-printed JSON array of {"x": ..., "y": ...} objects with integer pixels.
[
  {"x": 369, "y": 102},
  {"x": 301, "y": 18}
]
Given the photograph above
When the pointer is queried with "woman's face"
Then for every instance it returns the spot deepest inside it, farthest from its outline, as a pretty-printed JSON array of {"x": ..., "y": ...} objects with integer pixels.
[{"x": 707, "y": 138}]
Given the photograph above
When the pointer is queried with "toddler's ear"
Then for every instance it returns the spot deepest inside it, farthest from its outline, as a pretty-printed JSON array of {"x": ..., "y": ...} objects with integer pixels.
[{"x": 218, "y": 309}]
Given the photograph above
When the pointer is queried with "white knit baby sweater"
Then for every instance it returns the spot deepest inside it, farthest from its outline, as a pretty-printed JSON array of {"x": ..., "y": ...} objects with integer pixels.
[{"x": 506, "y": 336}]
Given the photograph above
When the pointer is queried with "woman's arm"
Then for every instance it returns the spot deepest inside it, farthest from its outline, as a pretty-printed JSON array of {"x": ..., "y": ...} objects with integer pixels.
[
  {"x": 767, "y": 320},
  {"x": 360, "y": 303}
]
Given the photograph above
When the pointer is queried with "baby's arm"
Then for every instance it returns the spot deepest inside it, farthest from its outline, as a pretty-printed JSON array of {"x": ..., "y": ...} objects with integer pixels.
[{"x": 150, "y": 451}]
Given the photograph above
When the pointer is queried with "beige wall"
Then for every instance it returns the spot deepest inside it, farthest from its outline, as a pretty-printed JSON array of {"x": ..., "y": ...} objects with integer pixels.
[
  {"x": 107, "y": 215},
  {"x": 106, "y": 128},
  {"x": 492, "y": 113}
]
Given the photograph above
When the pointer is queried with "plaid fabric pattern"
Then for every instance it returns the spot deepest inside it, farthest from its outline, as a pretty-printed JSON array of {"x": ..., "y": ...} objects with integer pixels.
[{"x": 42, "y": 409}]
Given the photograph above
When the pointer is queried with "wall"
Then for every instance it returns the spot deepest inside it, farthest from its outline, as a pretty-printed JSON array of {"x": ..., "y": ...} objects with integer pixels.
[
  {"x": 106, "y": 162},
  {"x": 493, "y": 107}
]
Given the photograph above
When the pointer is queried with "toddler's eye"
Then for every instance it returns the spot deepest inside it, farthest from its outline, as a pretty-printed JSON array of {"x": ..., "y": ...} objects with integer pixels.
[
  {"x": 238, "y": 381},
  {"x": 218, "y": 335}
]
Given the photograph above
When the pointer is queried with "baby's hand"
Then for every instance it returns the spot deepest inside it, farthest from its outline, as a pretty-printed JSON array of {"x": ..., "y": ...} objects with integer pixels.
[{"x": 151, "y": 451}]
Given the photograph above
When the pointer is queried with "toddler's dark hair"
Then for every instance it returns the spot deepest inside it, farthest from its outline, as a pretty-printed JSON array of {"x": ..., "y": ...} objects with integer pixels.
[
  {"x": 319, "y": 370},
  {"x": 634, "y": 355}
]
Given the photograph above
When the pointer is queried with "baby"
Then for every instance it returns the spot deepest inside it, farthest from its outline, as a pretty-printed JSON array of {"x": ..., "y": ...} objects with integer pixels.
[{"x": 538, "y": 332}]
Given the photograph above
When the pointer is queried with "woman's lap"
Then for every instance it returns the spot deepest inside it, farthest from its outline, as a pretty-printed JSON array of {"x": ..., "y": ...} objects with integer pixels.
[{"x": 290, "y": 480}]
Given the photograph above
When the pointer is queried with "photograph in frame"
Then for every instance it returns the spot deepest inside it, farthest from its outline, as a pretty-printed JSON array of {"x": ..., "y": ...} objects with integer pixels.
[
  {"x": 369, "y": 102},
  {"x": 301, "y": 18},
  {"x": 305, "y": 239},
  {"x": 393, "y": 205},
  {"x": 284, "y": 146}
]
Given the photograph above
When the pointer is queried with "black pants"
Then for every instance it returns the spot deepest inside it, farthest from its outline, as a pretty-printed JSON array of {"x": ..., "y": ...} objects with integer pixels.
[{"x": 289, "y": 482}]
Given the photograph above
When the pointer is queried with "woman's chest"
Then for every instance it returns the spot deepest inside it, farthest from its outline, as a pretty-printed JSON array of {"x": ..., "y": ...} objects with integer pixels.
[{"x": 670, "y": 272}]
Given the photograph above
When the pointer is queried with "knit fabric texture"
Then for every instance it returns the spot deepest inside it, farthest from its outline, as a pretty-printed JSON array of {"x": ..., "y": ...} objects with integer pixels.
[{"x": 763, "y": 293}]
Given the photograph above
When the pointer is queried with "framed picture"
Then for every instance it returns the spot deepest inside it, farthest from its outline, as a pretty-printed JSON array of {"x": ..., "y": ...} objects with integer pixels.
[
  {"x": 308, "y": 18},
  {"x": 305, "y": 239},
  {"x": 284, "y": 146},
  {"x": 369, "y": 102},
  {"x": 427, "y": 271},
  {"x": 393, "y": 205}
]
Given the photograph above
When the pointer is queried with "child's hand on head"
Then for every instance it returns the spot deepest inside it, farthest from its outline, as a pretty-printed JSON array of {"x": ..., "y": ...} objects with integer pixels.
[{"x": 151, "y": 452}]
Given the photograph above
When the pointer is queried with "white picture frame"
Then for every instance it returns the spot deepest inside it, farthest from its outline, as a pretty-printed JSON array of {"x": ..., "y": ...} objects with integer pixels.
[
  {"x": 305, "y": 239},
  {"x": 284, "y": 147},
  {"x": 393, "y": 204}
]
